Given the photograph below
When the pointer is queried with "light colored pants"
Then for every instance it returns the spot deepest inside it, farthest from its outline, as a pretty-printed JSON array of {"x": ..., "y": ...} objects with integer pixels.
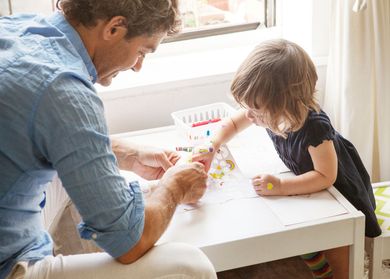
[{"x": 171, "y": 260}]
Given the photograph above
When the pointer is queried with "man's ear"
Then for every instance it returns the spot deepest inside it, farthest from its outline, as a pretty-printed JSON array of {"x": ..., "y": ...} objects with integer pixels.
[{"x": 115, "y": 29}]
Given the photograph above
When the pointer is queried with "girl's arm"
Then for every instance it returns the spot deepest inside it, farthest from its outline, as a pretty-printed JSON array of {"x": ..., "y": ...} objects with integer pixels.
[
  {"x": 231, "y": 127},
  {"x": 324, "y": 159}
]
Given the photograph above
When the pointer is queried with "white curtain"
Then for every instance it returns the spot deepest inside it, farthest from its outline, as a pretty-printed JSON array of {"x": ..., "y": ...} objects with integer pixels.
[{"x": 357, "y": 96}]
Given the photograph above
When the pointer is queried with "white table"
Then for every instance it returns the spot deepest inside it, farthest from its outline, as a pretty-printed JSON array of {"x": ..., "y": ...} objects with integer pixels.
[{"x": 245, "y": 231}]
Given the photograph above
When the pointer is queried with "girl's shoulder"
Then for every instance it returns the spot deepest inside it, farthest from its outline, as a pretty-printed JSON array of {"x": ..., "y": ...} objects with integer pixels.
[
  {"x": 317, "y": 117},
  {"x": 316, "y": 129}
]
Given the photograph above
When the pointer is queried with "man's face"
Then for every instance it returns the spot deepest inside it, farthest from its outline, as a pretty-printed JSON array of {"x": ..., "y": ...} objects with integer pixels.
[{"x": 124, "y": 55}]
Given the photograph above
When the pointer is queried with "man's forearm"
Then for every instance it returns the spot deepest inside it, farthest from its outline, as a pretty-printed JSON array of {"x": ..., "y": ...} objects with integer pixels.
[
  {"x": 125, "y": 152},
  {"x": 160, "y": 206}
]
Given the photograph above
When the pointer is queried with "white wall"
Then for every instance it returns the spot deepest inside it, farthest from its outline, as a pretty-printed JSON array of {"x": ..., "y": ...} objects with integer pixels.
[
  {"x": 183, "y": 75},
  {"x": 152, "y": 107}
]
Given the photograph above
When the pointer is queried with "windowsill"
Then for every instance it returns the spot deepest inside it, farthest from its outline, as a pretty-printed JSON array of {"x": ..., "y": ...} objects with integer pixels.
[{"x": 187, "y": 62}]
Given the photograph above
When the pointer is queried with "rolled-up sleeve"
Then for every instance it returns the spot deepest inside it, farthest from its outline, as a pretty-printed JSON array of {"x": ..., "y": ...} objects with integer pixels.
[
  {"x": 117, "y": 243},
  {"x": 69, "y": 131}
]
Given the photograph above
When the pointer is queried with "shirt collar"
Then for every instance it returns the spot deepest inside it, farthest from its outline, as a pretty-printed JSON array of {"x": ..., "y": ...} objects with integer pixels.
[{"x": 58, "y": 20}]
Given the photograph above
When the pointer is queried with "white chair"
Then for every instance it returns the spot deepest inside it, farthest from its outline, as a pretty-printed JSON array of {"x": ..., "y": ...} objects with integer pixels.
[{"x": 379, "y": 248}]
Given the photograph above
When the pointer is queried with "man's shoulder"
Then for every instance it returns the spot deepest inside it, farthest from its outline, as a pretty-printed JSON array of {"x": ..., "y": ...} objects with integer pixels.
[
  {"x": 37, "y": 68},
  {"x": 34, "y": 48}
]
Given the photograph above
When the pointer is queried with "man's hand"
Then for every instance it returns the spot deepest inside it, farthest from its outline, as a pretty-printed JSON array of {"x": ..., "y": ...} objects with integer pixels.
[
  {"x": 151, "y": 163},
  {"x": 187, "y": 183},
  {"x": 148, "y": 162},
  {"x": 180, "y": 184}
]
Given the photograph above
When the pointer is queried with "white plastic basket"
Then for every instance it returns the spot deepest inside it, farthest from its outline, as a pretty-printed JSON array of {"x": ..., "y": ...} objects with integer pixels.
[{"x": 184, "y": 119}]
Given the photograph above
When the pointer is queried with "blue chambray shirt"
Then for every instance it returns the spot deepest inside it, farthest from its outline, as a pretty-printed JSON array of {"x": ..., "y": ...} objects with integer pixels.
[{"x": 51, "y": 120}]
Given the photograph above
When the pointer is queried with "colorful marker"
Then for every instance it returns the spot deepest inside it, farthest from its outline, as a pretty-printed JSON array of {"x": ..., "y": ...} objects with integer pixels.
[
  {"x": 201, "y": 123},
  {"x": 204, "y": 150},
  {"x": 270, "y": 186},
  {"x": 200, "y": 149},
  {"x": 184, "y": 148}
]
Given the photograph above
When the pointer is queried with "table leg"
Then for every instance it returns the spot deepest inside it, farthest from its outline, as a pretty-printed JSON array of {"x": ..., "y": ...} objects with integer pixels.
[{"x": 356, "y": 251}]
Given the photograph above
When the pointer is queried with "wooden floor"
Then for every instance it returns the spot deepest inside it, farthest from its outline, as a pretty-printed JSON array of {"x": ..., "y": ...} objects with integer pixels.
[{"x": 290, "y": 268}]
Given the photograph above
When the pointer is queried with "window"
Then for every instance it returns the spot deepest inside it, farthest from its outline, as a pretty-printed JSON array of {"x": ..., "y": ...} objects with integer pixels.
[
  {"x": 8, "y": 7},
  {"x": 201, "y": 18}
]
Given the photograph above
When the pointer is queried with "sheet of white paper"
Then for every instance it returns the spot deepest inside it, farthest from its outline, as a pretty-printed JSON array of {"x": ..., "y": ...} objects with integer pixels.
[
  {"x": 255, "y": 154},
  {"x": 232, "y": 189},
  {"x": 253, "y": 159},
  {"x": 303, "y": 208},
  {"x": 228, "y": 182}
]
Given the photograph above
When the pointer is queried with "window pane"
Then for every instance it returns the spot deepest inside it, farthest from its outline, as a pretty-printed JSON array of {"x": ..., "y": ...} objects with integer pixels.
[
  {"x": 200, "y": 17},
  {"x": 28, "y": 6},
  {"x": 4, "y": 10},
  {"x": 208, "y": 14}
]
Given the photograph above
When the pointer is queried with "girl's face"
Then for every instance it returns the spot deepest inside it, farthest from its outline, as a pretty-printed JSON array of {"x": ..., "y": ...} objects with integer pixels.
[
  {"x": 260, "y": 118},
  {"x": 257, "y": 117}
]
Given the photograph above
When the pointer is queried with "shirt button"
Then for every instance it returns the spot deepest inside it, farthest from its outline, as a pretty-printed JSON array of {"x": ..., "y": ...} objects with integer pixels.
[{"x": 94, "y": 236}]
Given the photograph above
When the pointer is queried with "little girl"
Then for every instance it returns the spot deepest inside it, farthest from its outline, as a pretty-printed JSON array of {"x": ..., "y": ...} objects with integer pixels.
[{"x": 275, "y": 85}]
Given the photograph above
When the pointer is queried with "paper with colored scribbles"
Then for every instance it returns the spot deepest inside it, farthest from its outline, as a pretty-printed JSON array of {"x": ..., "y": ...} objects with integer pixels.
[{"x": 225, "y": 181}]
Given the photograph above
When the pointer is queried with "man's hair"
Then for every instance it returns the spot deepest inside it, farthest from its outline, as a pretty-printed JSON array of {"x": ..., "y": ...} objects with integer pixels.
[
  {"x": 279, "y": 78},
  {"x": 143, "y": 17}
]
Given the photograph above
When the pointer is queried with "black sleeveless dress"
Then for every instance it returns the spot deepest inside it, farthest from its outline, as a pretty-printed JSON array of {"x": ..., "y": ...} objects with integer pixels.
[{"x": 352, "y": 180}]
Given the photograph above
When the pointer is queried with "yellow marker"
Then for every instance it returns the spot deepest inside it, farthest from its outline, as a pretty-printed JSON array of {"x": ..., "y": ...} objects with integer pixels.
[
  {"x": 270, "y": 186},
  {"x": 203, "y": 149}
]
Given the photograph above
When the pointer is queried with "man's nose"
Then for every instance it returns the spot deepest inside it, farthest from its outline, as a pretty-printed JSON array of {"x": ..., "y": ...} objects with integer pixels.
[{"x": 138, "y": 66}]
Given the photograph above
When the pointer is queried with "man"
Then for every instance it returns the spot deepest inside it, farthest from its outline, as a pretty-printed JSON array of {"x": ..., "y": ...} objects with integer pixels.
[{"x": 52, "y": 121}]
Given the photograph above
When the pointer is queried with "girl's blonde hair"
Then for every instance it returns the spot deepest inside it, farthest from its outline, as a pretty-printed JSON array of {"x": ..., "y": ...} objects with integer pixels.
[{"x": 279, "y": 78}]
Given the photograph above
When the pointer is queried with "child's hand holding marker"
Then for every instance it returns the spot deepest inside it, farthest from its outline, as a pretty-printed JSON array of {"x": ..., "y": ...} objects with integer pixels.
[
  {"x": 196, "y": 149},
  {"x": 267, "y": 185},
  {"x": 203, "y": 153}
]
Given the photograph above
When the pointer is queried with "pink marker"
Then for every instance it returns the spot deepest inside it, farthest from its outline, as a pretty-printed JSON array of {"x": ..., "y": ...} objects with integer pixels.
[{"x": 201, "y": 123}]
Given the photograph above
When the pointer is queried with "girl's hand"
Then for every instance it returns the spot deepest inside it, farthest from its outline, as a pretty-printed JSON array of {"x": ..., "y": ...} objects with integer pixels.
[
  {"x": 267, "y": 185},
  {"x": 204, "y": 155}
]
